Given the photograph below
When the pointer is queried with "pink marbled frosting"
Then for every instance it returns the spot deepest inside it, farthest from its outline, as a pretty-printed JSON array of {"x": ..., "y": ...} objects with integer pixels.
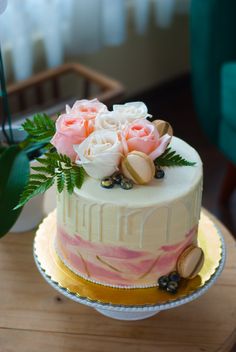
[{"x": 117, "y": 265}]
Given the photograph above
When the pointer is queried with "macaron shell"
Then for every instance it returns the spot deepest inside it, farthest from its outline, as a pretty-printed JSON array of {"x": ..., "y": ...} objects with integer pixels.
[
  {"x": 190, "y": 262},
  {"x": 163, "y": 127},
  {"x": 138, "y": 167}
]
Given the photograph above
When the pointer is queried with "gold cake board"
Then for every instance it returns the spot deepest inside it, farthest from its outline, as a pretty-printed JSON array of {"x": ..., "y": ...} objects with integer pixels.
[{"x": 96, "y": 295}]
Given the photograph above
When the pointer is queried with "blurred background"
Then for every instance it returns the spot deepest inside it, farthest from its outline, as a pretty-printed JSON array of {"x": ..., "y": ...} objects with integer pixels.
[{"x": 175, "y": 55}]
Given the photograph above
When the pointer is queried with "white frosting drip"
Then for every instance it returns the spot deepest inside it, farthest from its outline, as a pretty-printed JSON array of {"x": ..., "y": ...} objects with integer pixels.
[{"x": 145, "y": 217}]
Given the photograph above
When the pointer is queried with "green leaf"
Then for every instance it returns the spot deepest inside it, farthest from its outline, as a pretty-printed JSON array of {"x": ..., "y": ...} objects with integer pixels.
[
  {"x": 171, "y": 158},
  {"x": 14, "y": 166},
  {"x": 47, "y": 170},
  {"x": 40, "y": 129},
  {"x": 40, "y": 177},
  {"x": 54, "y": 167},
  {"x": 43, "y": 161},
  {"x": 60, "y": 182},
  {"x": 79, "y": 176},
  {"x": 69, "y": 181},
  {"x": 33, "y": 189}
]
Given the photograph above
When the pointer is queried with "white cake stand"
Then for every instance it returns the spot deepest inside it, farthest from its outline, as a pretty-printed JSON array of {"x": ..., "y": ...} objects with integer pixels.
[{"x": 125, "y": 312}]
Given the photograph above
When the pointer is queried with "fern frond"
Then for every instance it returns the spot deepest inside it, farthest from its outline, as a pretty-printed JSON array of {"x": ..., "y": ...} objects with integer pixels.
[
  {"x": 40, "y": 128},
  {"x": 39, "y": 177},
  {"x": 54, "y": 167},
  {"x": 69, "y": 181},
  {"x": 60, "y": 182},
  {"x": 78, "y": 176},
  {"x": 171, "y": 158},
  {"x": 44, "y": 169},
  {"x": 33, "y": 189},
  {"x": 43, "y": 161}
]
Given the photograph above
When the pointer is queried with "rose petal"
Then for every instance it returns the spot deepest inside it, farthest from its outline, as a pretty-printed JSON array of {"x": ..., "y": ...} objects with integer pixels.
[
  {"x": 76, "y": 125},
  {"x": 125, "y": 149},
  {"x": 132, "y": 111},
  {"x": 110, "y": 120},
  {"x": 164, "y": 141},
  {"x": 100, "y": 153},
  {"x": 68, "y": 109},
  {"x": 64, "y": 145},
  {"x": 98, "y": 169},
  {"x": 141, "y": 145}
]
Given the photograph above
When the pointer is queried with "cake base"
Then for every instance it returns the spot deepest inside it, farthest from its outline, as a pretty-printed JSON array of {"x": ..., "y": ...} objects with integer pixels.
[
  {"x": 126, "y": 315},
  {"x": 128, "y": 304}
]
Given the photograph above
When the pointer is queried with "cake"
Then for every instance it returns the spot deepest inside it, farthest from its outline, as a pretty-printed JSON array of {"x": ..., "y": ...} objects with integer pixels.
[
  {"x": 130, "y": 238},
  {"x": 126, "y": 236},
  {"x": 128, "y": 195}
]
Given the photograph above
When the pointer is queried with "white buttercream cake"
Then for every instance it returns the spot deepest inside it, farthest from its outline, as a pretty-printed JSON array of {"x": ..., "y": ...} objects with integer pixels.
[{"x": 130, "y": 238}]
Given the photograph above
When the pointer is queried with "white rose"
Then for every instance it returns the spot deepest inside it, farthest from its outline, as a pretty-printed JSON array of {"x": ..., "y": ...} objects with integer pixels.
[
  {"x": 131, "y": 111},
  {"x": 110, "y": 120},
  {"x": 100, "y": 153},
  {"x": 87, "y": 109}
]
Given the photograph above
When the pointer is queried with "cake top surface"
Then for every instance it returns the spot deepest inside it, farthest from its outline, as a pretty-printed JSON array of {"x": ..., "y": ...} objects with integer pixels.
[
  {"x": 177, "y": 182},
  {"x": 123, "y": 156}
]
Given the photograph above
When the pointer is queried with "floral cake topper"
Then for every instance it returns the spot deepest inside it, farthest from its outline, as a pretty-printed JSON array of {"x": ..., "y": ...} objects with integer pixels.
[{"x": 116, "y": 147}]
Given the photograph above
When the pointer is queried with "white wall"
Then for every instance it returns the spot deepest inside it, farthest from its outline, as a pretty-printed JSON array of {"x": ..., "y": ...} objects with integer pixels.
[
  {"x": 145, "y": 61},
  {"x": 141, "y": 62}
]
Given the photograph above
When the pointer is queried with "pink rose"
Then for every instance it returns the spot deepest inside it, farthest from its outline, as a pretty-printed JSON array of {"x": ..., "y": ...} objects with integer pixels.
[
  {"x": 143, "y": 136},
  {"x": 76, "y": 125},
  {"x": 70, "y": 131},
  {"x": 86, "y": 109}
]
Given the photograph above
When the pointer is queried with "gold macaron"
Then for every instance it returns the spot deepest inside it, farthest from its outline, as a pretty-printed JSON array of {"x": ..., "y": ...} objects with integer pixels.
[
  {"x": 190, "y": 262},
  {"x": 138, "y": 167},
  {"x": 163, "y": 127}
]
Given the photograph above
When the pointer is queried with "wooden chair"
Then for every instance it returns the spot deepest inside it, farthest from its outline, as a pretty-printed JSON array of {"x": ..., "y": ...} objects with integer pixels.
[{"x": 44, "y": 90}]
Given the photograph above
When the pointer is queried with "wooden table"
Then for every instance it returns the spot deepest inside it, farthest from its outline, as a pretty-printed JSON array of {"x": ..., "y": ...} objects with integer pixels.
[{"x": 34, "y": 317}]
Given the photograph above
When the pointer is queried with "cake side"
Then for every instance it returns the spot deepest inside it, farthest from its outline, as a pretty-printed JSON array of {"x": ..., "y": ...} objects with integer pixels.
[{"x": 131, "y": 238}]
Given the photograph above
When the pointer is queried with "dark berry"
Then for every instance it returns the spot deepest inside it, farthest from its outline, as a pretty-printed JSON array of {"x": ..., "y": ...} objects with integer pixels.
[
  {"x": 163, "y": 282},
  {"x": 107, "y": 182},
  {"x": 174, "y": 276},
  {"x": 172, "y": 287},
  {"x": 126, "y": 183},
  {"x": 117, "y": 177},
  {"x": 159, "y": 173}
]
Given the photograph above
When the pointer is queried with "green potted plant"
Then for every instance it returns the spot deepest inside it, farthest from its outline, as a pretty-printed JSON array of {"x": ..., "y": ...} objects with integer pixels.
[{"x": 17, "y": 151}]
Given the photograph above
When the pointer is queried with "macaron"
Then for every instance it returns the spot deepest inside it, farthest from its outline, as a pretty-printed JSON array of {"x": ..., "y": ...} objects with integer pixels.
[
  {"x": 190, "y": 262},
  {"x": 138, "y": 167},
  {"x": 163, "y": 127}
]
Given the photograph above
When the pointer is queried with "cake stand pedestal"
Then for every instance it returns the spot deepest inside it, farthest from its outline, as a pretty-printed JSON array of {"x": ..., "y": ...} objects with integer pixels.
[{"x": 128, "y": 304}]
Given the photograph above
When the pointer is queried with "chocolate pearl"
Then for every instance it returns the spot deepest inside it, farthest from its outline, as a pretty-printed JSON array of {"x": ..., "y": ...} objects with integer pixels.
[
  {"x": 163, "y": 282},
  {"x": 126, "y": 183},
  {"x": 174, "y": 276},
  {"x": 172, "y": 287},
  {"x": 159, "y": 173},
  {"x": 117, "y": 177},
  {"x": 107, "y": 182}
]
